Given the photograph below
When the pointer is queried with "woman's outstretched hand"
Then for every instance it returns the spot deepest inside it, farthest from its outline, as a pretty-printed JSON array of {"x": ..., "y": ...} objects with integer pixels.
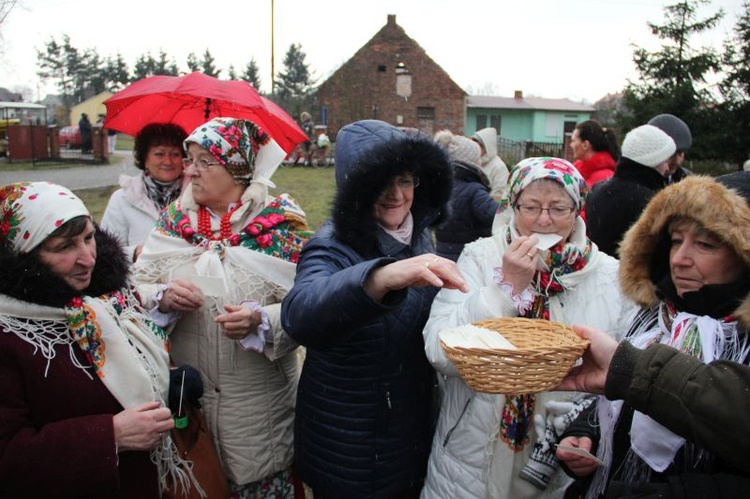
[
  {"x": 591, "y": 375},
  {"x": 419, "y": 271}
]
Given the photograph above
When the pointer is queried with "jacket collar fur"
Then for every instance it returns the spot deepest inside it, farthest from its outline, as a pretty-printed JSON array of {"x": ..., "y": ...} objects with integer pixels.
[
  {"x": 24, "y": 278},
  {"x": 644, "y": 251}
]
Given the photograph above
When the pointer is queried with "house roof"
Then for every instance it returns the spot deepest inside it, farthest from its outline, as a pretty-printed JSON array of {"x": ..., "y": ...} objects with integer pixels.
[
  {"x": 20, "y": 105},
  {"x": 392, "y": 31},
  {"x": 529, "y": 103}
]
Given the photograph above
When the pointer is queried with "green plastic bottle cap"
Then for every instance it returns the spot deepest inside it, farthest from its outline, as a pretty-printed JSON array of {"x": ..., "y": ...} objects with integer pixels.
[{"x": 181, "y": 423}]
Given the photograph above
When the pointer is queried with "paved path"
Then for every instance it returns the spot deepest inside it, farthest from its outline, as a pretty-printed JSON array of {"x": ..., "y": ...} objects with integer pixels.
[{"x": 79, "y": 177}]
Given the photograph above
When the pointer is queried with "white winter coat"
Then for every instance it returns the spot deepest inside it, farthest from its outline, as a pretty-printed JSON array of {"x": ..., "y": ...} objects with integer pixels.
[
  {"x": 468, "y": 459},
  {"x": 130, "y": 214},
  {"x": 492, "y": 165}
]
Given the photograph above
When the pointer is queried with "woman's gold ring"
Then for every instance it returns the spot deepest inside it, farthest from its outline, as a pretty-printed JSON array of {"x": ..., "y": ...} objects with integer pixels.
[
  {"x": 427, "y": 264},
  {"x": 530, "y": 255}
]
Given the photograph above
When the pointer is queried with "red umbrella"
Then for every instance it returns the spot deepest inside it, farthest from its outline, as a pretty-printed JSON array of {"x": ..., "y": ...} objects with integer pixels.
[{"x": 191, "y": 100}]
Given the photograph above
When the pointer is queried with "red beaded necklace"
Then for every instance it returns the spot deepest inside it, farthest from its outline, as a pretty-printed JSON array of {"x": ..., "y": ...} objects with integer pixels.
[{"x": 204, "y": 223}]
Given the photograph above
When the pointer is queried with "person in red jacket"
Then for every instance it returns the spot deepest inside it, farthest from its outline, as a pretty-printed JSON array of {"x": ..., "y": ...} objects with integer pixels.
[{"x": 595, "y": 151}]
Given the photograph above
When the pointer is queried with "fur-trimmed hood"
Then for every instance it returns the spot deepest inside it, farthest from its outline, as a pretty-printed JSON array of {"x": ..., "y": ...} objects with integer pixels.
[
  {"x": 644, "y": 251},
  {"x": 369, "y": 154},
  {"x": 24, "y": 278}
]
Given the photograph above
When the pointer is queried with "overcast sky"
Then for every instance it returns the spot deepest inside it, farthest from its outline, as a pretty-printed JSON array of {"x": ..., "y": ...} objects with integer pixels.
[{"x": 579, "y": 49}]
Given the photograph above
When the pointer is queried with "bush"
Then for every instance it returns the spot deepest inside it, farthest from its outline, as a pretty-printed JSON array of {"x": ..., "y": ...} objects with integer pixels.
[{"x": 714, "y": 168}]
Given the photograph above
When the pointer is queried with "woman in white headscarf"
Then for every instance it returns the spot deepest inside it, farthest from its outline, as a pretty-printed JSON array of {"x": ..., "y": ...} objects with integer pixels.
[
  {"x": 84, "y": 370},
  {"x": 224, "y": 257},
  {"x": 539, "y": 265}
]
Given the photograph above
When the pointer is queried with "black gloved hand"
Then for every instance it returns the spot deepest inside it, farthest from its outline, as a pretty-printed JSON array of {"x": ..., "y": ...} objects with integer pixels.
[{"x": 193, "y": 389}]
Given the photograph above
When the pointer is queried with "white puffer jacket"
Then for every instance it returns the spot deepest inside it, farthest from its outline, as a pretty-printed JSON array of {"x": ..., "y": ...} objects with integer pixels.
[
  {"x": 468, "y": 458},
  {"x": 130, "y": 214}
]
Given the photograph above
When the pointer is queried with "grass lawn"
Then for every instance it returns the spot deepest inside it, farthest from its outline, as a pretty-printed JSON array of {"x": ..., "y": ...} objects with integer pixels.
[{"x": 312, "y": 188}]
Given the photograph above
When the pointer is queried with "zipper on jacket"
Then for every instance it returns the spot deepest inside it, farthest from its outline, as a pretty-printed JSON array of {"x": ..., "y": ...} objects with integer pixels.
[
  {"x": 460, "y": 417},
  {"x": 388, "y": 399}
]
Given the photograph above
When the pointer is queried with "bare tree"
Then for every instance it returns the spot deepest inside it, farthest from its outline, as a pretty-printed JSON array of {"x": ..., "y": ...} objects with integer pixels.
[{"x": 6, "y": 6}]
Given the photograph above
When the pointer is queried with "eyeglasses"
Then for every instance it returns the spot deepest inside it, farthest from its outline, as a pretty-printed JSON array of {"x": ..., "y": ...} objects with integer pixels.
[
  {"x": 201, "y": 164},
  {"x": 554, "y": 212},
  {"x": 406, "y": 182}
]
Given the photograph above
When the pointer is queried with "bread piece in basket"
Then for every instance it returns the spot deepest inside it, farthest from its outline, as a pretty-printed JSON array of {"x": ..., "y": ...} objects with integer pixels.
[{"x": 545, "y": 352}]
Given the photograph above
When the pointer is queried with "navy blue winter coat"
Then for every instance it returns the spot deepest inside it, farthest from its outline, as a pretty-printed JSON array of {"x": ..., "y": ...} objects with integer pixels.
[
  {"x": 472, "y": 211},
  {"x": 366, "y": 404}
]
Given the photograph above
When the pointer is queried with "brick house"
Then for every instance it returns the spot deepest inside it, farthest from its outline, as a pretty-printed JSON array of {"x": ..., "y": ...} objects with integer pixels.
[{"x": 392, "y": 79}]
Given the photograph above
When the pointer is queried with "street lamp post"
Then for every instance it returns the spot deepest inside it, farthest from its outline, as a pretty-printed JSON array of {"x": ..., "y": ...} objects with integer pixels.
[{"x": 273, "y": 82}]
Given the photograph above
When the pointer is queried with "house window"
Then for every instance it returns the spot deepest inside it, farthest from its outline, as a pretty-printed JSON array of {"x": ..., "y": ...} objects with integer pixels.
[
  {"x": 425, "y": 113},
  {"x": 381, "y": 68},
  {"x": 481, "y": 121},
  {"x": 495, "y": 122},
  {"x": 551, "y": 125},
  {"x": 568, "y": 127}
]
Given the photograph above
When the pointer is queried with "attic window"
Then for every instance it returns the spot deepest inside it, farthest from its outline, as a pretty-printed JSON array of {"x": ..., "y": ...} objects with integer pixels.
[
  {"x": 426, "y": 113},
  {"x": 381, "y": 68}
]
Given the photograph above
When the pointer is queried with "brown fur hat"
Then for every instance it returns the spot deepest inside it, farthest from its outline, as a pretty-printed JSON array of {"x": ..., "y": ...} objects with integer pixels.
[{"x": 644, "y": 251}]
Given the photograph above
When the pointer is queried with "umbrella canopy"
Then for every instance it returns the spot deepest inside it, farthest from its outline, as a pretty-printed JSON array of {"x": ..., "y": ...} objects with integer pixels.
[{"x": 191, "y": 100}]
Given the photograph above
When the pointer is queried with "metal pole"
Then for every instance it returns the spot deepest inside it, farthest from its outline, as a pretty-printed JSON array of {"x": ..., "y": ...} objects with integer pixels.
[{"x": 273, "y": 70}]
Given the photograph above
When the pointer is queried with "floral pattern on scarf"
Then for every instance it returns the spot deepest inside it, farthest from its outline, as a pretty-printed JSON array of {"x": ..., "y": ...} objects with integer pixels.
[
  {"x": 87, "y": 332},
  {"x": 518, "y": 414},
  {"x": 563, "y": 258},
  {"x": 531, "y": 169},
  {"x": 234, "y": 143},
  {"x": 10, "y": 219},
  {"x": 275, "y": 231},
  {"x": 31, "y": 211}
]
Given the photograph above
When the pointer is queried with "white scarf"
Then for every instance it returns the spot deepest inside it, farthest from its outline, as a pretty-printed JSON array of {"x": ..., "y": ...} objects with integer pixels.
[
  {"x": 649, "y": 440},
  {"x": 162, "y": 253},
  {"x": 135, "y": 368}
]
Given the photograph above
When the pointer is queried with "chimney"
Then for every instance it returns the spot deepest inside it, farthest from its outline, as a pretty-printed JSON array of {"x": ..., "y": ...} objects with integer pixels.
[
  {"x": 518, "y": 94},
  {"x": 391, "y": 19}
]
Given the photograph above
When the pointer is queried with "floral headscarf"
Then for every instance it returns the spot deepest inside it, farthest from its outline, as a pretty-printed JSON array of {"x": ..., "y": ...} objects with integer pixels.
[
  {"x": 31, "y": 211},
  {"x": 242, "y": 147},
  {"x": 531, "y": 169}
]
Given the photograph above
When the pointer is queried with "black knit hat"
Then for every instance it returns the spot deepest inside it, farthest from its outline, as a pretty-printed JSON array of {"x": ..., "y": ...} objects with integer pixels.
[
  {"x": 739, "y": 181},
  {"x": 675, "y": 128}
]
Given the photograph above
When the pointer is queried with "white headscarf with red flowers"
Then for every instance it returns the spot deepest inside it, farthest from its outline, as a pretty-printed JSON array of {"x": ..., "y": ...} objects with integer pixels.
[
  {"x": 31, "y": 211},
  {"x": 247, "y": 152}
]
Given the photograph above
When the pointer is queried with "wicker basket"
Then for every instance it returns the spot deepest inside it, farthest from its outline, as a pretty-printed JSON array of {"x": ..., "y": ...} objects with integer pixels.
[{"x": 546, "y": 352}]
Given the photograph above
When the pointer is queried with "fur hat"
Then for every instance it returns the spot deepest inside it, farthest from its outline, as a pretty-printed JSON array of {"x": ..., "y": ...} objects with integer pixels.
[
  {"x": 675, "y": 128},
  {"x": 648, "y": 145},
  {"x": 721, "y": 206},
  {"x": 460, "y": 148}
]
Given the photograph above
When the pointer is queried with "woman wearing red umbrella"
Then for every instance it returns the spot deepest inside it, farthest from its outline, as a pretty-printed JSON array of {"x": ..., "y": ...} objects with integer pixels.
[{"x": 223, "y": 256}]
